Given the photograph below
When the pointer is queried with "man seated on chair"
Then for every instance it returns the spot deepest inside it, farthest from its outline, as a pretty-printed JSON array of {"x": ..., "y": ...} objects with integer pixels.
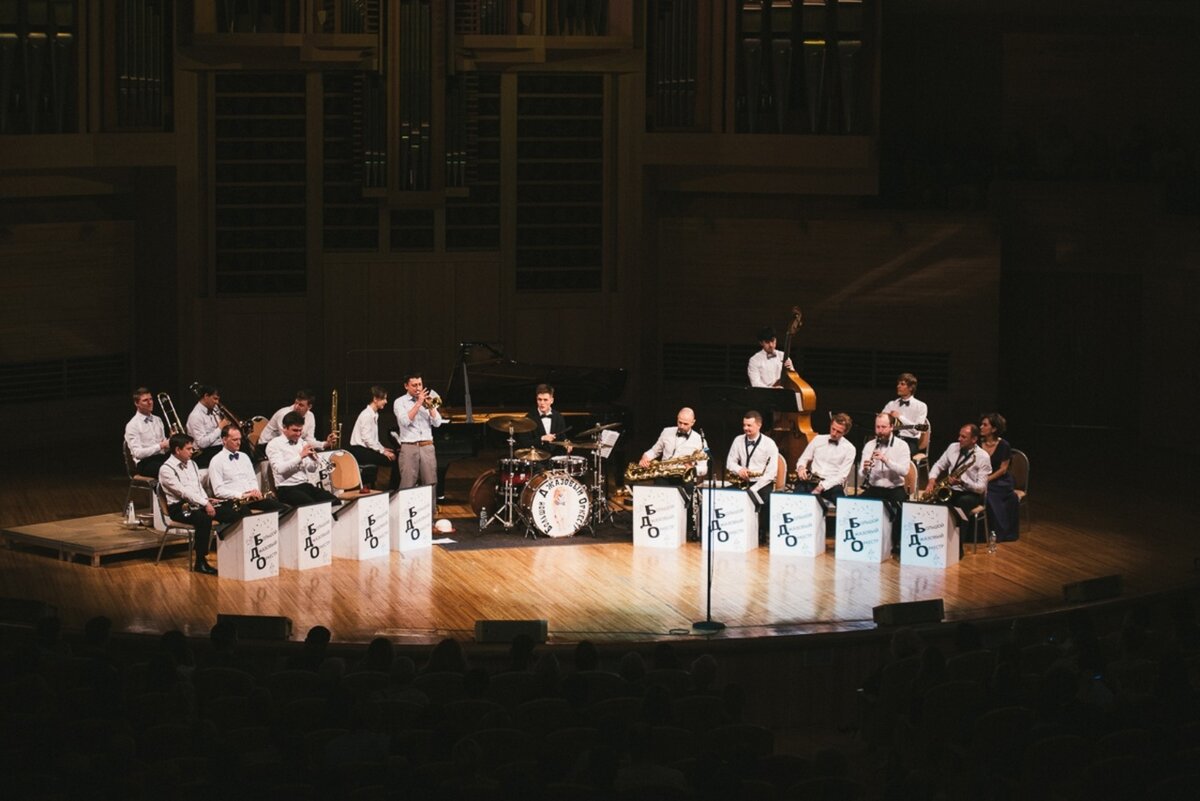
[
  {"x": 754, "y": 460},
  {"x": 550, "y": 427},
  {"x": 966, "y": 467},
  {"x": 912, "y": 415},
  {"x": 365, "y": 444},
  {"x": 187, "y": 502},
  {"x": 302, "y": 406},
  {"x": 883, "y": 470},
  {"x": 295, "y": 467},
  {"x": 146, "y": 436},
  {"x": 204, "y": 425},
  {"x": 827, "y": 461},
  {"x": 232, "y": 477}
]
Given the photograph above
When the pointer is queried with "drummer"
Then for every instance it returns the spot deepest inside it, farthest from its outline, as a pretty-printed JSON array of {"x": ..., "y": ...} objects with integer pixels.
[{"x": 550, "y": 426}]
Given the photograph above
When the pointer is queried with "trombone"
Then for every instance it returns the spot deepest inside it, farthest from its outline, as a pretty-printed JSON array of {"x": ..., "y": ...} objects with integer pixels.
[{"x": 168, "y": 411}]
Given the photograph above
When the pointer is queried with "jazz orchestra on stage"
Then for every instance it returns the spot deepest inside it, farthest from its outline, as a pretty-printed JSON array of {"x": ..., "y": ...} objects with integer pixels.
[{"x": 552, "y": 480}]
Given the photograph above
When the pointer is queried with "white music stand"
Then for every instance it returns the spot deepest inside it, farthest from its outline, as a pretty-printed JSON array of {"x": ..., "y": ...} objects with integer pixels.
[
  {"x": 797, "y": 524},
  {"x": 659, "y": 517},
  {"x": 410, "y": 514},
  {"x": 863, "y": 532},
  {"x": 306, "y": 537},
  {"x": 248, "y": 550},
  {"x": 733, "y": 520},
  {"x": 928, "y": 536},
  {"x": 361, "y": 529}
]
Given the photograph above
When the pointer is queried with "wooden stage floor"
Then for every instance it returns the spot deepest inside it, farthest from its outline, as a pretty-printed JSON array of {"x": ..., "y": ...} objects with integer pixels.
[{"x": 602, "y": 591}]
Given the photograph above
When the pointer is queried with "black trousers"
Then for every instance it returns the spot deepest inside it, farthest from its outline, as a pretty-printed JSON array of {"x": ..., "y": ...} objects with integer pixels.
[
  {"x": 369, "y": 460},
  {"x": 304, "y": 495},
  {"x": 149, "y": 466},
  {"x": 966, "y": 501},
  {"x": 203, "y": 523},
  {"x": 893, "y": 498}
]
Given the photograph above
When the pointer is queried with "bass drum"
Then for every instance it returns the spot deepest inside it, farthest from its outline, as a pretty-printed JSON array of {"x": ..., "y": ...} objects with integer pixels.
[
  {"x": 555, "y": 504},
  {"x": 483, "y": 493}
]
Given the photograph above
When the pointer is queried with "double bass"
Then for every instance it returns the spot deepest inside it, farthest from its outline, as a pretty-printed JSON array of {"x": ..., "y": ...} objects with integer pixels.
[{"x": 792, "y": 430}]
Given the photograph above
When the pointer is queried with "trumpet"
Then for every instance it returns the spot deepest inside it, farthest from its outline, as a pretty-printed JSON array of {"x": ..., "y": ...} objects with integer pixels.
[
  {"x": 235, "y": 504},
  {"x": 432, "y": 402},
  {"x": 168, "y": 409}
]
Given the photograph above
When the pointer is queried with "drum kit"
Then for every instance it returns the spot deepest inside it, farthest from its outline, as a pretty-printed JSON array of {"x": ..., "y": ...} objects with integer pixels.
[{"x": 548, "y": 495}]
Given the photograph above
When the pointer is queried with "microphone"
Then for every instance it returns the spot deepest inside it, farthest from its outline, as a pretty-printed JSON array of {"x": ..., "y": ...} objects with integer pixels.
[{"x": 703, "y": 441}]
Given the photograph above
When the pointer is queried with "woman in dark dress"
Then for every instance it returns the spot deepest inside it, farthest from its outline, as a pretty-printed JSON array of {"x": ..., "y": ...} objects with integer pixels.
[{"x": 1002, "y": 502}]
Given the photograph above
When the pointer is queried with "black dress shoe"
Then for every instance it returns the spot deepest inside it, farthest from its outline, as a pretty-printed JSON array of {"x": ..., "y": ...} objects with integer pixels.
[{"x": 206, "y": 568}]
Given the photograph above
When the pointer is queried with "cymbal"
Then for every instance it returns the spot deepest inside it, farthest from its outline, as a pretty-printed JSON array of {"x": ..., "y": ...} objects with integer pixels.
[
  {"x": 520, "y": 425},
  {"x": 531, "y": 454},
  {"x": 597, "y": 429}
]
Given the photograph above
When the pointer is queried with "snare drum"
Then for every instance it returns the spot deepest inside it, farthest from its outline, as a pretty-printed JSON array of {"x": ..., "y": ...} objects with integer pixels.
[
  {"x": 574, "y": 466},
  {"x": 515, "y": 472},
  {"x": 555, "y": 504}
]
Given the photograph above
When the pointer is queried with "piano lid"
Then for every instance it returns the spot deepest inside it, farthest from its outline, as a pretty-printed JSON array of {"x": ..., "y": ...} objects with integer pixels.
[{"x": 498, "y": 381}]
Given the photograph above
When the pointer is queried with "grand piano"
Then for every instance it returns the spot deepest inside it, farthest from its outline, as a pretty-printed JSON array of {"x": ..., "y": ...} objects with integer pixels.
[{"x": 485, "y": 383}]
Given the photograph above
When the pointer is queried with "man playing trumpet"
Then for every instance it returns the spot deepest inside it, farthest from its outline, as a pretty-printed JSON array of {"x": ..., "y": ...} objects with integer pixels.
[
  {"x": 295, "y": 467},
  {"x": 417, "y": 415}
]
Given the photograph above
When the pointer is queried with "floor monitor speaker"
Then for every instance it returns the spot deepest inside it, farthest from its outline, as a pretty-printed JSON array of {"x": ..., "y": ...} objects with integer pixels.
[
  {"x": 910, "y": 613},
  {"x": 505, "y": 630}
]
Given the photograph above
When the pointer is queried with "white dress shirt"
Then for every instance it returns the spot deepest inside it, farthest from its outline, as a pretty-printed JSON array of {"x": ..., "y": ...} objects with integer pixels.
[
  {"x": 886, "y": 474},
  {"x": 231, "y": 474},
  {"x": 181, "y": 482},
  {"x": 832, "y": 461},
  {"x": 275, "y": 428},
  {"x": 143, "y": 433},
  {"x": 975, "y": 478},
  {"x": 671, "y": 446},
  {"x": 761, "y": 456},
  {"x": 420, "y": 428},
  {"x": 287, "y": 467},
  {"x": 764, "y": 370},
  {"x": 913, "y": 413},
  {"x": 366, "y": 430},
  {"x": 204, "y": 426}
]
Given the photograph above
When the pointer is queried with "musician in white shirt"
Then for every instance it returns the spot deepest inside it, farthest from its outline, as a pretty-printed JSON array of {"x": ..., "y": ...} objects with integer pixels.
[
  {"x": 365, "y": 444},
  {"x": 827, "y": 461},
  {"x": 766, "y": 366},
  {"x": 204, "y": 425},
  {"x": 754, "y": 459},
  {"x": 146, "y": 436},
  {"x": 966, "y": 467},
  {"x": 302, "y": 405},
  {"x": 883, "y": 470},
  {"x": 295, "y": 467},
  {"x": 187, "y": 502},
  {"x": 417, "y": 458},
  {"x": 232, "y": 476},
  {"x": 912, "y": 414},
  {"x": 679, "y": 440}
]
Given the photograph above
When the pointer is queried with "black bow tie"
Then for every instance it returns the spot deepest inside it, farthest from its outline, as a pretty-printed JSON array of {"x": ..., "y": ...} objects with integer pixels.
[
  {"x": 683, "y": 434},
  {"x": 546, "y": 416},
  {"x": 233, "y": 457},
  {"x": 834, "y": 441},
  {"x": 903, "y": 403},
  {"x": 772, "y": 355}
]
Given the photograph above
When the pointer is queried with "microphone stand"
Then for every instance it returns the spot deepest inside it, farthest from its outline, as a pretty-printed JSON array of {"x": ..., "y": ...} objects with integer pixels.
[{"x": 708, "y": 625}]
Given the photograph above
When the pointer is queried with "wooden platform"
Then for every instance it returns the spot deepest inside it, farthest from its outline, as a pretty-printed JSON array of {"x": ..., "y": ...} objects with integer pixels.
[
  {"x": 607, "y": 591},
  {"x": 92, "y": 538}
]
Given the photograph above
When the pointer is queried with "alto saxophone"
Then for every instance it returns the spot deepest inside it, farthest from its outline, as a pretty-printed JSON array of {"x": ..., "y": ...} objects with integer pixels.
[
  {"x": 678, "y": 467},
  {"x": 942, "y": 492}
]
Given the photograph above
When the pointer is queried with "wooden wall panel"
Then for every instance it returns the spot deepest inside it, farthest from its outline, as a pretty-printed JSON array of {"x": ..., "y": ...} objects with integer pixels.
[{"x": 67, "y": 290}]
